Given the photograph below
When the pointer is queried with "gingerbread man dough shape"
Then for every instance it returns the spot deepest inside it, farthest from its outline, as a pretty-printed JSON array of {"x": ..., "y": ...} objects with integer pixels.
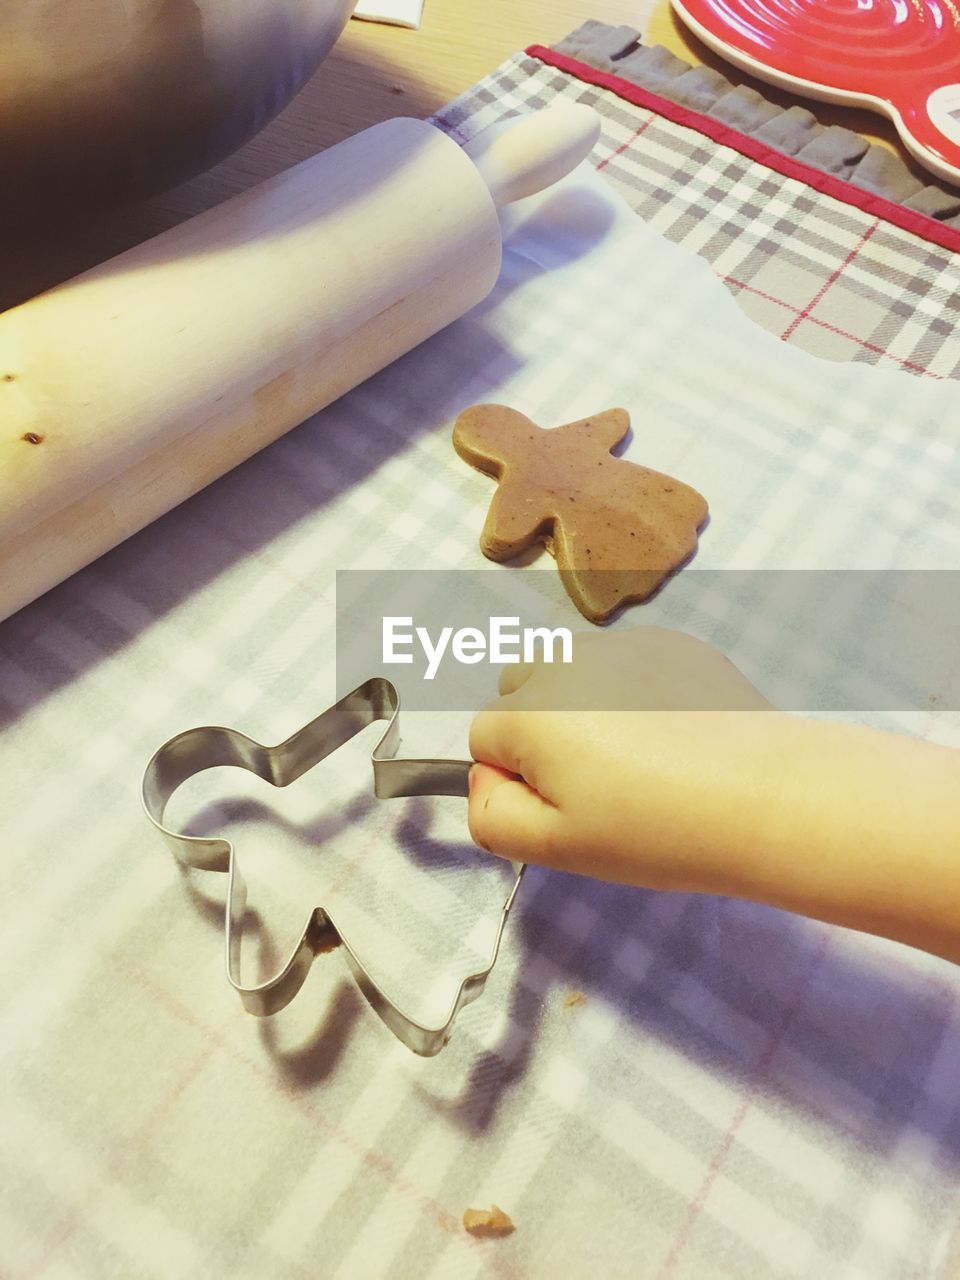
[{"x": 617, "y": 530}]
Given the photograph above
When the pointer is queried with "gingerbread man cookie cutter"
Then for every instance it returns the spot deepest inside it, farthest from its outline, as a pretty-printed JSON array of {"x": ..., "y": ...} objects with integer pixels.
[{"x": 212, "y": 746}]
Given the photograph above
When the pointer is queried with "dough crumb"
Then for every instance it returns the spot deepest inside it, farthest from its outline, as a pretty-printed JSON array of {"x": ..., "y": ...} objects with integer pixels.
[
  {"x": 573, "y": 999},
  {"x": 488, "y": 1222}
]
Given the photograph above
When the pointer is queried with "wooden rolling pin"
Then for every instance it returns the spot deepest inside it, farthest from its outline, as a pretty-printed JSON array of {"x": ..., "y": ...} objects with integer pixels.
[{"x": 129, "y": 388}]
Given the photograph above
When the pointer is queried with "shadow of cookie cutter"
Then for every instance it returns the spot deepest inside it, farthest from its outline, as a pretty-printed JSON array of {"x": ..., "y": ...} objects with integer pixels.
[{"x": 209, "y": 747}]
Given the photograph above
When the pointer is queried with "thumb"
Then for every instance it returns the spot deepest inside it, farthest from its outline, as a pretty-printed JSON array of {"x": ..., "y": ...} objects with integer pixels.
[{"x": 508, "y": 818}]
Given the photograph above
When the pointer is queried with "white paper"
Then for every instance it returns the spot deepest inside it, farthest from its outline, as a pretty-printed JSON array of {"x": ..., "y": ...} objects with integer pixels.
[{"x": 397, "y": 13}]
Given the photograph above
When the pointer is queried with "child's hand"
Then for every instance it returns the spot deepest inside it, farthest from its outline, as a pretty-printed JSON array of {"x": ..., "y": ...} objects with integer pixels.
[
  {"x": 696, "y": 783},
  {"x": 654, "y": 794}
]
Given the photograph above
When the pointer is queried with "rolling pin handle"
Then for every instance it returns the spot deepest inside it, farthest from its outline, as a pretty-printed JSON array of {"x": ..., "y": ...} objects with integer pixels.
[{"x": 522, "y": 155}]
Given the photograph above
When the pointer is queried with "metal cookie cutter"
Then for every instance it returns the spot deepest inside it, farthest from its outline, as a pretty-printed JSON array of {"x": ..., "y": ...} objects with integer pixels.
[{"x": 209, "y": 747}]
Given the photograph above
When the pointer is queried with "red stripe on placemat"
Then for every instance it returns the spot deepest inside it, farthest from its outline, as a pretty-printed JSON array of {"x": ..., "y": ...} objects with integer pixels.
[
  {"x": 832, "y": 328},
  {"x": 887, "y": 210},
  {"x": 828, "y": 284},
  {"x": 624, "y": 145}
]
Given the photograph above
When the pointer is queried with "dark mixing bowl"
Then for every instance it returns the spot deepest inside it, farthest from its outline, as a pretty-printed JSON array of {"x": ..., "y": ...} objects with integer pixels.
[{"x": 101, "y": 99}]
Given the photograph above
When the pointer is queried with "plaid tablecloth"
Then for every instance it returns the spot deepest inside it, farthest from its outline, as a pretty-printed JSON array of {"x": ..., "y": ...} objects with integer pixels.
[{"x": 731, "y": 1092}]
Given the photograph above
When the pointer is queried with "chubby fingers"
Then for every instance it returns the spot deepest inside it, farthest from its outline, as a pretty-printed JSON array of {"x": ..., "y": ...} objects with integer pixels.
[
  {"x": 498, "y": 736},
  {"x": 507, "y": 817},
  {"x": 507, "y": 814}
]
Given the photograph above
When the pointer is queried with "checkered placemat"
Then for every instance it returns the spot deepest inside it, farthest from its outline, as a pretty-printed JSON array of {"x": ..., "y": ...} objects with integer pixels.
[
  {"x": 837, "y": 279},
  {"x": 654, "y": 1085}
]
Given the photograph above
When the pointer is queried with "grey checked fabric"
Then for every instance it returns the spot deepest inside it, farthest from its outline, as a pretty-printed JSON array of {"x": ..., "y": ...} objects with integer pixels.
[
  {"x": 823, "y": 275},
  {"x": 738, "y": 1094}
]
